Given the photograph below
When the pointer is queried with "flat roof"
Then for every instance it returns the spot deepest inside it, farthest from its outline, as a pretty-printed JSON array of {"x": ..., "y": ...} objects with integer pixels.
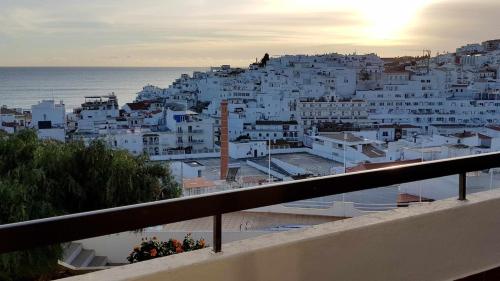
[
  {"x": 311, "y": 163},
  {"x": 212, "y": 168},
  {"x": 340, "y": 136}
]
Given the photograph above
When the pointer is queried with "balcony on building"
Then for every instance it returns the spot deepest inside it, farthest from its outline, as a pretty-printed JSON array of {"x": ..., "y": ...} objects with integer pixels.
[{"x": 447, "y": 239}]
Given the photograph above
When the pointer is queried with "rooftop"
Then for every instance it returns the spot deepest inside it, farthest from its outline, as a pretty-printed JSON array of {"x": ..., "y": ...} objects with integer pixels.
[
  {"x": 142, "y": 105},
  {"x": 372, "y": 152},
  {"x": 272, "y": 122},
  {"x": 494, "y": 127},
  {"x": 371, "y": 166},
  {"x": 199, "y": 182},
  {"x": 464, "y": 134},
  {"x": 251, "y": 221},
  {"x": 193, "y": 163},
  {"x": 5, "y": 110},
  {"x": 347, "y": 137}
]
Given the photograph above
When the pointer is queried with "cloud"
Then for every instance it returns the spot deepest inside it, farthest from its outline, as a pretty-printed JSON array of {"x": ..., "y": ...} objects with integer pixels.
[
  {"x": 450, "y": 24},
  {"x": 207, "y": 32}
]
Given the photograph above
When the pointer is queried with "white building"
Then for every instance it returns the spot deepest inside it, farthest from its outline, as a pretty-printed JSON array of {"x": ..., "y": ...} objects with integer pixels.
[
  {"x": 48, "y": 114},
  {"x": 248, "y": 149},
  {"x": 312, "y": 112},
  {"x": 49, "y": 118},
  {"x": 192, "y": 132},
  {"x": 13, "y": 119},
  {"x": 127, "y": 139},
  {"x": 98, "y": 112},
  {"x": 345, "y": 145}
]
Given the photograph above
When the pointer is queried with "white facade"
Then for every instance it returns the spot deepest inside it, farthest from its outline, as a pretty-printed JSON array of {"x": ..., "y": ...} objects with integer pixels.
[
  {"x": 187, "y": 169},
  {"x": 13, "y": 119},
  {"x": 58, "y": 134},
  {"x": 248, "y": 149},
  {"x": 191, "y": 131},
  {"x": 328, "y": 109},
  {"x": 130, "y": 140},
  {"x": 340, "y": 146},
  {"x": 395, "y": 109},
  {"x": 49, "y": 111},
  {"x": 99, "y": 112}
]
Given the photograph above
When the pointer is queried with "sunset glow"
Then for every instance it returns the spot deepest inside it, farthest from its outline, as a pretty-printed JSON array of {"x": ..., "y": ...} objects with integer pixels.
[
  {"x": 387, "y": 19},
  {"x": 203, "y": 33}
]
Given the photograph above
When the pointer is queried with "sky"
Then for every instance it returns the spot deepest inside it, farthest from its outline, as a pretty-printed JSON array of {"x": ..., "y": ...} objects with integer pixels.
[{"x": 236, "y": 32}]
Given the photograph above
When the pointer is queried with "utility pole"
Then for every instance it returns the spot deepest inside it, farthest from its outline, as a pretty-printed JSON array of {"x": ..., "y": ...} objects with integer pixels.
[
  {"x": 422, "y": 160},
  {"x": 345, "y": 144},
  {"x": 182, "y": 174},
  {"x": 345, "y": 171},
  {"x": 269, "y": 162}
]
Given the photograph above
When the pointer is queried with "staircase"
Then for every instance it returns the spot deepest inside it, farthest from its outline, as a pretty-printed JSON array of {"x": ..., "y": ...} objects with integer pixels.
[
  {"x": 76, "y": 256},
  {"x": 262, "y": 164}
]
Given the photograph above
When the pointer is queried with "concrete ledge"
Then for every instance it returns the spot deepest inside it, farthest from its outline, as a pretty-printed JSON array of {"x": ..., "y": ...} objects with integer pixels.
[{"x": 442, "y": 240}]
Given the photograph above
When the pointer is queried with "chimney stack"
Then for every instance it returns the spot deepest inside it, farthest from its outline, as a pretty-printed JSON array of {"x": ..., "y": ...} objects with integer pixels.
[{"x": 224, "y": 140}]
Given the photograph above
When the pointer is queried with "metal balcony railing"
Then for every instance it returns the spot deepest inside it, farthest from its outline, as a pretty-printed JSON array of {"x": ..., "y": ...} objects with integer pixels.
[{"x": 29, "y": 234}]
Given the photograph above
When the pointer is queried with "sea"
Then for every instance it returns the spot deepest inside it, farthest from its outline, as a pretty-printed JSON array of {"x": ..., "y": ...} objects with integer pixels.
[{"x": 21, "y": 87}]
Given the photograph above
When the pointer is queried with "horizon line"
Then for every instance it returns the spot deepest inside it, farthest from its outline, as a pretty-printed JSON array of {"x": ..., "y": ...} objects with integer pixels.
[{"x": 96, "y": 66}]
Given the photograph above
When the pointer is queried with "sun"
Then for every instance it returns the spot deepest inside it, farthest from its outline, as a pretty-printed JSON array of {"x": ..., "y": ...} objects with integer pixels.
[
  {"x": 384, "y": 20},
  {"x": 364, "y": 22}
]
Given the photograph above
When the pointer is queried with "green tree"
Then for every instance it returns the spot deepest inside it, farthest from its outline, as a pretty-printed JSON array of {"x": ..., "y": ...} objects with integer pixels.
[{"x": 46, "y": 178}]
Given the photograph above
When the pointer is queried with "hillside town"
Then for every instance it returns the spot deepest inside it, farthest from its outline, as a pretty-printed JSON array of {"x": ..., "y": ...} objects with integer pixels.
[{"x": 294, "y": 116}]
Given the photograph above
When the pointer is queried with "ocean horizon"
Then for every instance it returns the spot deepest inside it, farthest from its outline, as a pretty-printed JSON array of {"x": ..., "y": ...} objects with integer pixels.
[{"x": 21, "y": 87}]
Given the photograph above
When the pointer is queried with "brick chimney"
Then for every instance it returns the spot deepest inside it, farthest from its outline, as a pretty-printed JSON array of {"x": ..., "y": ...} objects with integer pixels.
[{"x": 224, "y": 140}]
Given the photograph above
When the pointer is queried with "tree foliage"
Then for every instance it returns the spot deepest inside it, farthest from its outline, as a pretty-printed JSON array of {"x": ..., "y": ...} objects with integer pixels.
[
  {"x": 264, "y": 60},
  {"x": 46, "y": 178}
]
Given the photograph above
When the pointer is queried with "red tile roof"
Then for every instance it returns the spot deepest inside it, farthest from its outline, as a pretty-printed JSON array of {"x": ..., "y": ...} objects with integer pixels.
[
  {"x": 371, "y": 166},
  {"x": 409, "y": 198},
  {"x": 197, "y": 183}
]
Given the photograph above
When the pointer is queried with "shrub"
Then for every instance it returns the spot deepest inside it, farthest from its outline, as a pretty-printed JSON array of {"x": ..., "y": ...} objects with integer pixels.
[{"x": 153, "y": 248}]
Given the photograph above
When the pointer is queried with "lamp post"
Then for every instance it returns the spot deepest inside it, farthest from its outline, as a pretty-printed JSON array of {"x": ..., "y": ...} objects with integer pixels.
[
  {"x": 422, "y": 160},
  {"x": 345, "y": 170},
  {"x": 345, "y": 163},
  {"x": 269, "y": 162}
]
